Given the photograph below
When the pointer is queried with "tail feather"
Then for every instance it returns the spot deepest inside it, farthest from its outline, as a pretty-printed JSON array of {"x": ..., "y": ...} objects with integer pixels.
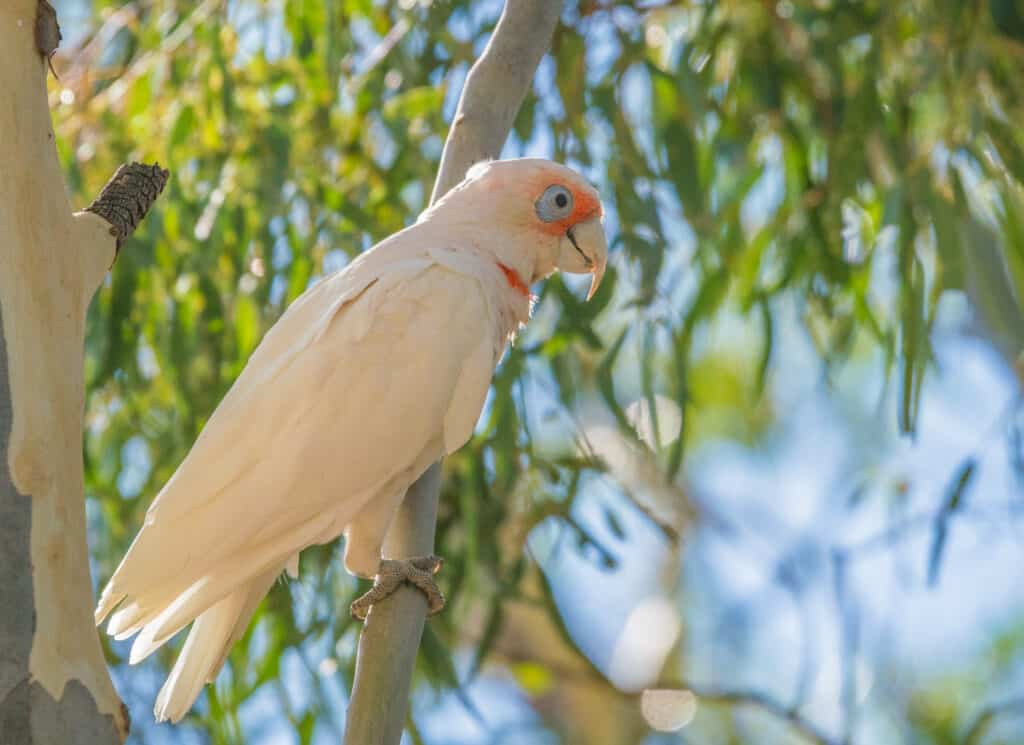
[
  {"x": 195, "y": 539},
  {"x": 174, "y": 613},
  {"x": 108, "y": 601},
  {"x": 212, "y": 635},
  {"x": 216, "y": 590},
  {"x": 133, "y": 616}
]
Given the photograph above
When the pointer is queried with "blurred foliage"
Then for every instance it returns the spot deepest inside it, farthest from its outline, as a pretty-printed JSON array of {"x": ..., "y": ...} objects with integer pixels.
[{"x": 858, "y": 158}]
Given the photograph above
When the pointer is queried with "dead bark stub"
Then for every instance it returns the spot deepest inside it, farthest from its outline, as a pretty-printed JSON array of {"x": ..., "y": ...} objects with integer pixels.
[
  {"x": 127, "y": 197},
  {"x": 48, "y": 33}
]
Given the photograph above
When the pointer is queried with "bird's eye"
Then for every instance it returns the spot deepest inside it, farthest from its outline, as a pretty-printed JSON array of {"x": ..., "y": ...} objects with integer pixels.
[{"x": 554, "y": 204}]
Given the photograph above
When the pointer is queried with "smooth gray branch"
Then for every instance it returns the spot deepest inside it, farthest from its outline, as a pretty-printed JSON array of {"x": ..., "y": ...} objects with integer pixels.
[{"x": 494, "y": 90}]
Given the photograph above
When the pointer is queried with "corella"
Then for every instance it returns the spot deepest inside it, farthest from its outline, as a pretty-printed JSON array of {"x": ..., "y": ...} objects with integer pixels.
[{"x": 371, "y": 375}]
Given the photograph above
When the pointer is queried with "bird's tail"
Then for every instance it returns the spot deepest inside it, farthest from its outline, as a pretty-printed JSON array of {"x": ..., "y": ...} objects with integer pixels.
[{"x": 210, "y": 639}]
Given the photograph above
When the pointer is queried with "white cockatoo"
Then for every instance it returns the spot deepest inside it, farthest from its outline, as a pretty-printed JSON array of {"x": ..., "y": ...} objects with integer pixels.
[{"x": 370, "y": 376}]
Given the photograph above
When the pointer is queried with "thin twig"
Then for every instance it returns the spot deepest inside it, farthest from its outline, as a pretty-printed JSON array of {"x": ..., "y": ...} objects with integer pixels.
[
  {"x": 183, "y": 33},
  {"x": 80, "y": 61},
  {"x": 753, "y": 699},
  {"x": 764, "y": 702},
  {"x": 378, "y": 54}
]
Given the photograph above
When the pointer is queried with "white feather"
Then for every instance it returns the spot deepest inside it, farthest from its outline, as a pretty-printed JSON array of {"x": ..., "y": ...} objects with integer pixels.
[{"x": 211, "y": 638}]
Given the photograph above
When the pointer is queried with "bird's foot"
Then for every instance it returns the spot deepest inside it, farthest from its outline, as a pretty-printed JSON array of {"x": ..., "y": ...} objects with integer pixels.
[{"x": 392, "y": 573}]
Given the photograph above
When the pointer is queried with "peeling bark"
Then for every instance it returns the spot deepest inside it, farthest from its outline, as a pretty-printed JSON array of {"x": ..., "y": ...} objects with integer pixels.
[{"x": 54, "y": 684}]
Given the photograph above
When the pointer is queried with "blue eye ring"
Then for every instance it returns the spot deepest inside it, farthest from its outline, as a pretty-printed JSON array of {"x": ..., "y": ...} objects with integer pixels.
[{"x": 554, "y": 204}]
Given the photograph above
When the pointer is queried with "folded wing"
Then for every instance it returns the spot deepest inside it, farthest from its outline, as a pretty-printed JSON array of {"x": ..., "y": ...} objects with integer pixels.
[{"x": 371, "y": 375}]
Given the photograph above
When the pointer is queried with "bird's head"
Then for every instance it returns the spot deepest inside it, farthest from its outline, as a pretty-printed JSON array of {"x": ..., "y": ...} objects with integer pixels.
[{"x": 550, "y": 214}]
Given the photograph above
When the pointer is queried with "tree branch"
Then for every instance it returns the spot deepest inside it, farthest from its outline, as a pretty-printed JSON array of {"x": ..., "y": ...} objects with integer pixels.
[
  {"x": 494, "y": 90},
  {"x": 757, "y": 700}
]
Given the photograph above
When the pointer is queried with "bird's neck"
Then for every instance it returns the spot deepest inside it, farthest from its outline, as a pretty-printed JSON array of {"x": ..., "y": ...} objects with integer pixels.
[
  {"x": 513, "y": 254},
  {"x": 514, "y": 281}
]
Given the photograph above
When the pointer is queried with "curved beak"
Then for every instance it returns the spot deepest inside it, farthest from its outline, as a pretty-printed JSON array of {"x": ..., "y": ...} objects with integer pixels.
[{"x": 584, "y": 250}]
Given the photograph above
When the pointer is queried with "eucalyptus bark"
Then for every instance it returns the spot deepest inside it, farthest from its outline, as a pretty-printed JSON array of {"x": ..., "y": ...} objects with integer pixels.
[
  {"x": 494, "y": 90},
  {"x": 54, "y": 684}
]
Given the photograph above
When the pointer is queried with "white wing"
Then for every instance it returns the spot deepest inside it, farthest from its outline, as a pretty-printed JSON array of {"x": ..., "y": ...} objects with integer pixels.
[{"x": 368, "y": 378}]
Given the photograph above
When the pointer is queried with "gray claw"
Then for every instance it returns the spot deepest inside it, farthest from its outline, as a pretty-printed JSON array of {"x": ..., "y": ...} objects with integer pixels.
[{"x": 418, "y": 571}]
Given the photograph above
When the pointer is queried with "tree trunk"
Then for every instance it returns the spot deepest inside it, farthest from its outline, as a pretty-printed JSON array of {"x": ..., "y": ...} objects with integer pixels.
[
  {"x": 54, "y": 684},
  {"x": 494, "y": 90}
]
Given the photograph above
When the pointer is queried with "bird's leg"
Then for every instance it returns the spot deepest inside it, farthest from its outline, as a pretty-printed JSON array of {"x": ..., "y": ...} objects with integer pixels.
[{"x": 418, "y": 571}]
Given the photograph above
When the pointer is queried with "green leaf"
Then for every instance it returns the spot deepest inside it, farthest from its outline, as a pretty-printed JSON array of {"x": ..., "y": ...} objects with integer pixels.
[
  {"x": 711, "y": 293},
  {"x": 952, "y": 502},
  {"x": 437, "y": 660},
  {"x": 614, "y": 524},
  {"x": 246, "y": 327},
  {"x": 1005, "y": 139},
  {"x": 495, "y": 620},
  {"x": 415, "y": 102},
  {"x": 768, "y": 336},
  {"x": 675, "y": 129},
  {"x": 606, "y": 382},
  {"x": 1012, "y": 223}
]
